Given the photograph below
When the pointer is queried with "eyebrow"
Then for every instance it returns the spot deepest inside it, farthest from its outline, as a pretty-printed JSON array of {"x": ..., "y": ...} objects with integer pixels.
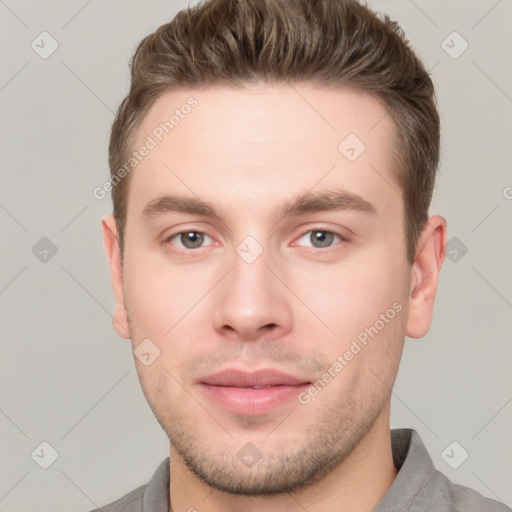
[{"x": 309, "y": 202}]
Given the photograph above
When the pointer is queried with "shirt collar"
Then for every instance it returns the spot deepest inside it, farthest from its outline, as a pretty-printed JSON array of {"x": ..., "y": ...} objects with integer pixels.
[
  {"x": 156, "y": 495},
  {"x": 416, "y": 481}
]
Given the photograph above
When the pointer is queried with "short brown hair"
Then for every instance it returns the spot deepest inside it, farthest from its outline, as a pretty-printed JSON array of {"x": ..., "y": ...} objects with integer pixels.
[{"x": 324, "y": 42}]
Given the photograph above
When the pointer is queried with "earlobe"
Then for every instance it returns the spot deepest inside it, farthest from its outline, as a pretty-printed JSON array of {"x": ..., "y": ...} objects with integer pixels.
[
  {"x": 112, "y": 249},
  {"x": 425, "y": 270}
]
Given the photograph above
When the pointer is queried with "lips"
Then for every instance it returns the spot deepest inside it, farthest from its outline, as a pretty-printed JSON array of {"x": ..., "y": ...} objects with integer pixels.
[
  {"x": 251, "y": 393},
  {"x": 258, "y": 379}
]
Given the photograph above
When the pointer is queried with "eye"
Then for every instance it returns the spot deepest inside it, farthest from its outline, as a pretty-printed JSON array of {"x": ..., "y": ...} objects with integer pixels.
[
  {"x": 319, "y": 238},
  {"x": 188, "y": 239}
]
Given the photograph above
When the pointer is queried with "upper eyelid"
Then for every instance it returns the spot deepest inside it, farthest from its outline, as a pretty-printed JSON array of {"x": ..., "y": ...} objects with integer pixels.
[
  {"x": 205, "y": 232},
  {"x": 326, "y": 230},
  {"x": 175, "y": 234}
]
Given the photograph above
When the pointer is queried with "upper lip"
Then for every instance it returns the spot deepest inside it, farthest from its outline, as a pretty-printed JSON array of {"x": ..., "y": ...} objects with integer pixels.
[{"x": 243, "y": 379}]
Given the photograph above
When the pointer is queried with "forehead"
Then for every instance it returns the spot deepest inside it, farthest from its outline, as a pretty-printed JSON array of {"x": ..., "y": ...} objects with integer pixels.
[{"x": 275, "y": 137}]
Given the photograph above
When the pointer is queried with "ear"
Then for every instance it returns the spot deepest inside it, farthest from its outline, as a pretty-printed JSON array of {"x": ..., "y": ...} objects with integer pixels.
[
  {"x": 111, "y": 243},
  {"x": 425, "y": 269}
]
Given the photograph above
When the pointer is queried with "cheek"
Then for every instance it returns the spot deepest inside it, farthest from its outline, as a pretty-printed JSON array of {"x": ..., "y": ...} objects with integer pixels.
[
  {"x": 368, "y": 317},
  {"x": 349, "y": 298},
  {"x": 164, "y": 305},
  {"x": 158, "y": 294}
]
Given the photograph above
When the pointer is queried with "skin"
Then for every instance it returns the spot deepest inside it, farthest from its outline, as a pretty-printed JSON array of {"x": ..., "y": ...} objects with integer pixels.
[{"x": 296, "y": 308}]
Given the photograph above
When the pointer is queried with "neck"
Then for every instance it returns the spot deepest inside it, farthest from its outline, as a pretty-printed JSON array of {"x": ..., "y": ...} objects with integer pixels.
[{"x": 357, "y": 484}]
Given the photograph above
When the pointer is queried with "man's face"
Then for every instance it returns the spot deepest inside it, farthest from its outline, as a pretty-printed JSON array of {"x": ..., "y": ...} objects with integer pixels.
[{"x": 280, "y": 320}]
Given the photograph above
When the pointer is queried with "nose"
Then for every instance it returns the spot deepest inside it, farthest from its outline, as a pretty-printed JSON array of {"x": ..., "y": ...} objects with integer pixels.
[{"x": 251, "y": 302}]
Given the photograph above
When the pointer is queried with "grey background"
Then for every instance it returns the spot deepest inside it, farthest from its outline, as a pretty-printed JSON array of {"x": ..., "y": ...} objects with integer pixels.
[{"x": 67, "y": 379}]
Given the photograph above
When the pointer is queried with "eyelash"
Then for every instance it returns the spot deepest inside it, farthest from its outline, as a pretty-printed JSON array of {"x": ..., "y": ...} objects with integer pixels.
[
  {"x": 342, "y": 238},
  {"x": 178, "y": 233}
]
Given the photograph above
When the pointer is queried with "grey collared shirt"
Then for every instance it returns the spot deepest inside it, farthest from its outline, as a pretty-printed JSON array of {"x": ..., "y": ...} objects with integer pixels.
[{"x": 418, "y": 487}]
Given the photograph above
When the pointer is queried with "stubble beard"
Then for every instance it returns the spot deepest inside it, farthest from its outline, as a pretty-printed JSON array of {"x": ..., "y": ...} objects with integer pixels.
[{"x": 280, "y": 468}]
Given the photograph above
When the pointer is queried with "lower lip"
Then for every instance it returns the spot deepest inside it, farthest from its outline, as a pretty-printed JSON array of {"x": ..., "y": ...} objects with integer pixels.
[{"x": 250, "y": 401}]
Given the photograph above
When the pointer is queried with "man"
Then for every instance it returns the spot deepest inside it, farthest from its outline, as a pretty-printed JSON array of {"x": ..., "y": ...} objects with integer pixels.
[{"x": 270, "y": 248}]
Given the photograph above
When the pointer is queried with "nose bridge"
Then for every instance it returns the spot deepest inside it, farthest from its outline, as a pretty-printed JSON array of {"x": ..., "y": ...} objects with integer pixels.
[
  {"x": 250, "y": 285},
  {"x": 250, "y": 275},
  {"x": 251, "y": 297}
]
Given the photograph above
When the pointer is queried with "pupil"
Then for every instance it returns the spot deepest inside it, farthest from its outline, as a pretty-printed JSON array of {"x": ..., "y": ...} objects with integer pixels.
[
  {"x": 192, "y": 239},
  {"x": 322, "y": 238}
]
